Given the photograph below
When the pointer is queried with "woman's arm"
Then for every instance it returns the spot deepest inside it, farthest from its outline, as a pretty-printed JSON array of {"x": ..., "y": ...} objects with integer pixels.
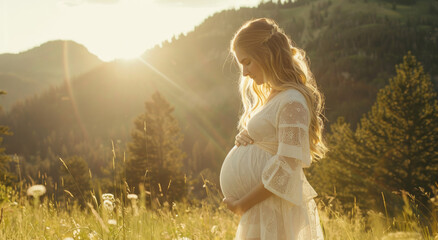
[{"x": 256, "y": 195}]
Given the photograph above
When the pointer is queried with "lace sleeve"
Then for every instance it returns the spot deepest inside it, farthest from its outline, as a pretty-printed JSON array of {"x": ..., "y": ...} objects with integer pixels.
[
  {"x": 283, "y": 174},
  {"x": 293, "y": 134}
]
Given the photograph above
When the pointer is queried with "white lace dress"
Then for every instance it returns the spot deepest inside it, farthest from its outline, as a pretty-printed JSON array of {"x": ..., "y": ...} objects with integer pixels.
[{"x": 276, "y": 159}]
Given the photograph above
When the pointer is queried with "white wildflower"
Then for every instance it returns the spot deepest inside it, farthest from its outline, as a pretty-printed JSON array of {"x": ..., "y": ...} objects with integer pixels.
[
  {"x": 76, "y": 232},
  {"x": 36, "y": 191},
  {"x": 68, "y": 238},
  {"x": 182, "y": 225},
  {"x": 213, "y": 229},
  {"x": 92, "y": 235},
  {"x": 132, "y": 196},
  {"x": 108, "y": 196},
  {"x": 112, "y": 222},
  {"x": 108, "y": 205}
]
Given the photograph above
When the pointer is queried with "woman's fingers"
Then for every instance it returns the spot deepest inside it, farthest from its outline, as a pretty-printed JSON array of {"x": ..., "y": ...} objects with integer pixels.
[
  {"x": 243, "y": 139},
  {"x": 246, "y": 139}
]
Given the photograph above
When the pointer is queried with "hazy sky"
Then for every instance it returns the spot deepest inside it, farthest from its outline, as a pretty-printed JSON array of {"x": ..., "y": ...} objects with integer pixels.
[{"x": 108, "y": 28}]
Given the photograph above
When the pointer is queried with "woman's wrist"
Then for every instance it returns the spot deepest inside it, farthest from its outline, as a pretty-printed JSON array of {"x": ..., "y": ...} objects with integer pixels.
[
  {"x": 255, "y": 196},
  {"x": 241, "y": 204}
]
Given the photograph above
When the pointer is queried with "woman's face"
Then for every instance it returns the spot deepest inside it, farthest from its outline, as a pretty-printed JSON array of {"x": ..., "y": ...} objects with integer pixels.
[{"x": 250, "y": 67}]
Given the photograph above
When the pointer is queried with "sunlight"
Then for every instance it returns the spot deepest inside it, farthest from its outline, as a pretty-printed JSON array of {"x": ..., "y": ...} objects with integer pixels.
[
  {"x": 126, "y": 29},
  {"x": 70, "y": 91},
  {"x": 188, "y": 97},
  {"x": 117, "y": 30}
]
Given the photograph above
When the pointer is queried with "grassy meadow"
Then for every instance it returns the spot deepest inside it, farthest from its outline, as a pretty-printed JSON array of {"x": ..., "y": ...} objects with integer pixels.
[
  {"x": 353, "y": 45},
  {"x": 35, "y": 216}
]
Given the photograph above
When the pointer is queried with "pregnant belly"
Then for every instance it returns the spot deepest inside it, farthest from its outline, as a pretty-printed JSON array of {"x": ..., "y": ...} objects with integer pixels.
[{"x": 242, "y": 170}]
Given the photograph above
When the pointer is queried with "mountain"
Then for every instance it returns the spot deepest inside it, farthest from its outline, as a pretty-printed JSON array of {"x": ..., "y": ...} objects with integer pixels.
[
  {"x": 27, "y": 73},
  {"x": 353, "y": 46}
]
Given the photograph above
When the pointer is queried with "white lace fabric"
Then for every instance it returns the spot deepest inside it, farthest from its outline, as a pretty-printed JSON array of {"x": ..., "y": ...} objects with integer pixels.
[
  {"x": 283, "y": 174},
  {"x": 281, "y": 135}
]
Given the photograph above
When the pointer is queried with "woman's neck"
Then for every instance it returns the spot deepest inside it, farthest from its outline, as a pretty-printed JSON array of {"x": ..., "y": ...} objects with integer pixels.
[{"x": 272, "y": 94}]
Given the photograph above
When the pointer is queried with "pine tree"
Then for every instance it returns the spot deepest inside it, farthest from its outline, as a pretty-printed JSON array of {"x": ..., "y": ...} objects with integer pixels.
[
  {"x": 395, "y": 146},
  {"x": 5, "y": 176},
  {"x": 340, "y": 174},
  {"x": 399, "y": 135},
  {"x": 155, "y": 155}
]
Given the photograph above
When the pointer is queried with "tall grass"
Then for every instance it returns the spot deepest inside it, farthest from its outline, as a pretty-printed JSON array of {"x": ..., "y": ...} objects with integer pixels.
[
  {"x": 24, "y": 218},
  {"x": 120, "y": 216}
]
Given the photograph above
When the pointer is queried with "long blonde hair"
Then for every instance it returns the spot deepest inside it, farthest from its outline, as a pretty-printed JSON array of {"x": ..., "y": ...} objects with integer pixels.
[{"x": 286, "y": 66}]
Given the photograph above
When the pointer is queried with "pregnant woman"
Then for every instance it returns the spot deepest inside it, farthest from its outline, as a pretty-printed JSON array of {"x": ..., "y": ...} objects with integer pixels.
[{"x": 262, "y": 177}]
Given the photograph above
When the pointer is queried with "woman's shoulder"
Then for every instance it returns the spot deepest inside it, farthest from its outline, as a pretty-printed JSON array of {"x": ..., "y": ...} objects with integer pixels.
[
  {"x": 292, "y": 100},
  {"x": 292, "y": 95}
]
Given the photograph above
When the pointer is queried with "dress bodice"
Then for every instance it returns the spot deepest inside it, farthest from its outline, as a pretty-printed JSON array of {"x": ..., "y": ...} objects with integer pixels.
[{"x": 264, "y": 123}]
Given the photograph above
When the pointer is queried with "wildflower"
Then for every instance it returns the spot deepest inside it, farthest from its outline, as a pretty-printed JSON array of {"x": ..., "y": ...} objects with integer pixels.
[
  {"x": 108, "y": 205},
  {"x": 112, "y": 222},
  {"x": 108, "y": 196},
  {"x": 213, "y": 229},
  {"x": 132, "y": 196},
  {"x": 182, "y": 225},
  {"x": 68, "y": 238},
  {"x": 36, "y": 191},
  {"x": 92, "y": 235},
  {"x": 76, "y": 232}
]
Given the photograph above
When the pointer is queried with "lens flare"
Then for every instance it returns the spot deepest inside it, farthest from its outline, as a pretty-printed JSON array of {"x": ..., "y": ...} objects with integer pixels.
[{"x": 67, "y": 80}]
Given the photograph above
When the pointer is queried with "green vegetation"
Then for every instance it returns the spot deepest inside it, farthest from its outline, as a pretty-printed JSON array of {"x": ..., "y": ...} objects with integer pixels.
[
  {"x": 5, "y": 175},
  {"x": 156, "y": 156},
  {"x": 393, "y": 151},
  {"x": 377, "y": 179},
  {"x": 28, "y": 218}
]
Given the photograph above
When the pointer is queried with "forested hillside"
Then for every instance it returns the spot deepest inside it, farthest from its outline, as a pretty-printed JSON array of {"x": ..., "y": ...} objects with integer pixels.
[
  {"x": 353, "y": 46},
  {"x": 33, "y": 71}
]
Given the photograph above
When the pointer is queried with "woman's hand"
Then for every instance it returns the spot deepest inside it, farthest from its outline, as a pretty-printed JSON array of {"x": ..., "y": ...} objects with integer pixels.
[
  {"x": 234, "y": 206},
  {"x": 243, "y": 138}
]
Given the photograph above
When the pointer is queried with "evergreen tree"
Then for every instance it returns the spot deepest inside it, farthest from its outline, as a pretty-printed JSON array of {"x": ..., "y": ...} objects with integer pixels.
[
  {"x": 395, "y": 146},
  {"x": 155, "y": 155},
  {"x": 399, "y": 136},
  {"x": 6, "y": 177},
  {"x": 340, "y": 174}
]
